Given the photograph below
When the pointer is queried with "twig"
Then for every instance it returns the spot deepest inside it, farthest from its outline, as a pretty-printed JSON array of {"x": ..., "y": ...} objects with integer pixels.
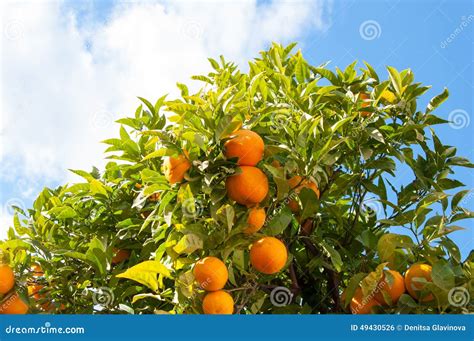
[{"x": 294, "y": 278}]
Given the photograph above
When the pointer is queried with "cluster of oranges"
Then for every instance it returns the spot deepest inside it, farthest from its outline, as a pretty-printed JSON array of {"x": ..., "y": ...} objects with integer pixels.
[
  {"x": 248, "y": 187},
  {"x": 212, "y": 275},
  {"x": 413, "y": 282},
  {"x": 12, "y": 304}
]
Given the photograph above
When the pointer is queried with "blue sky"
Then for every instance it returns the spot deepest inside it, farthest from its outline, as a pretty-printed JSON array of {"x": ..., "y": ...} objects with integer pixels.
[{"x": 90, "y": 46}]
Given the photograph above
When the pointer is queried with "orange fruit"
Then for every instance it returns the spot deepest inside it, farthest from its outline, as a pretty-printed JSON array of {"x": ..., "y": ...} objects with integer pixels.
[
  {"x": 211, "y": 273},
  {"x": 298, "y": 183},
  {"x": 218, "y": 302},
  {"x": 175, "y": 167},
  {"x": 7, "y": 278},
  {"x": 255, "y": 220},
  {"x": 155, "y": 197},
  {"x": 249, "y": 187},
  {"x": 13, "y": 304},
  {"x": 394, "y": 291},
  {"x": 364, "y": 97},
  {"x": 120, "y": 255},
  {"x": 414, "y": 287},
  {"x": 33, "y": 291},
  {"x": 37, "y": 270},
  {"x": 361, "y": 305},
  {"x": 245, "y": 145},
  {"x": 138, "y": 185},
  {"x": 268, "y": 255}
]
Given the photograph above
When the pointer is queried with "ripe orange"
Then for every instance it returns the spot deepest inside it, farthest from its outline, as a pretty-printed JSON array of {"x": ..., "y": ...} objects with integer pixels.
[
  {"x": 249, "y": 187},
  {"x": 7, "y": 278},
  {"x": 268, "y": 255},
  {"x": 218, "y": 302},
  {"x": 245, "y": 145},
  {"x": 211, "y": 273},
  {"x": 13, "y": 304},
  {"x": 34, "y": 289},
  {"x": 37, "y": 270},
  {"x": 414, "y": 287},
  {"x": 175, "y": 167},
  {"x": 364, "y": 97},
  {"x": 298, "y": 183},
  {"x": 255, "y": 220},
  {"x": 154, "y": 197},
  {"x": 361, "y": 305},
  {"x": 394, "y": 291},
  {"x": 120, "y": 255}
]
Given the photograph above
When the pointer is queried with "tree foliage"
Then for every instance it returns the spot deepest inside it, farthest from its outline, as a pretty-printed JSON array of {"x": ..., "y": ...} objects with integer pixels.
[{"x": 388, "y": 197}]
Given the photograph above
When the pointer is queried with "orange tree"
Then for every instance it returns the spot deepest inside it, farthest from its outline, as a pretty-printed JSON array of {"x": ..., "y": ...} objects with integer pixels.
[{"x": 285, "y": 180}]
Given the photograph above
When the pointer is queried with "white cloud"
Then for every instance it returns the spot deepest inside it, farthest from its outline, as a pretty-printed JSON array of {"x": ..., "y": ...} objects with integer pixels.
[{"x": 63, "y": 84}]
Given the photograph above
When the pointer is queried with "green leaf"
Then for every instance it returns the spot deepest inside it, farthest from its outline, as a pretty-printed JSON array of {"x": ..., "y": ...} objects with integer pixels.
[
  {"x": 188, "y": 244},
  {"x": 214, "y": 64},
  {"x": 96, "y": 187},
  {"x": 340, "y": 123},
  {"x": 408, "y": 301},
  {"x": 226, "y": 215},
  {"x": 458, "y": 197},
  {"x": 146, "y": 273},
  {"x": 376, "y": 134},
  {"x": 148, "y": 105},
  {"x": 63, "y": 212},
  {"x": 437, "y": 101},
  {"x": 309, "y": 201},
  {"x": 301, "y": 71},
  {"x": 157, "y": 153},
  {"x": 333, "y": 255},
  {"x": 148, "y": 175},
  {"x": 328, "y": 75},
  {"x": 442, "y": 275},
  {"x": 395, "y": 79},
  {"x": 449, "y": 183},
  {"x": 279, "y": 222},
  {"x": 96, "y": 255},
  {"x": 371, "y": 71},
  {"x": 389, "y": 242},
  {"x": 353, "y": 284}
]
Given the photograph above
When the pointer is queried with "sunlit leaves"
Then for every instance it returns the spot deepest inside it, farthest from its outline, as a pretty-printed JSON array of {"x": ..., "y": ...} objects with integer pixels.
[{"x": 148, "y": 273}]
